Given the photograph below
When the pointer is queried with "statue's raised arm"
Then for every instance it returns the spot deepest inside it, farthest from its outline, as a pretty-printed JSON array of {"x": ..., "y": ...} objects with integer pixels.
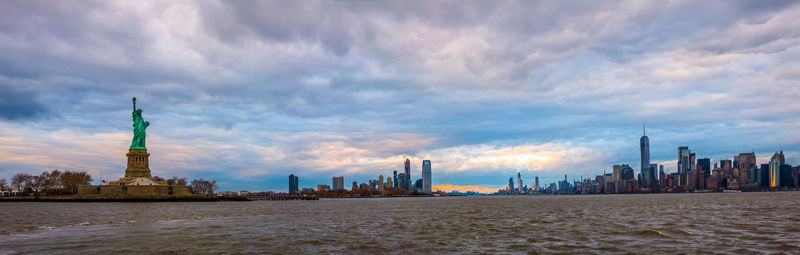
[{"x": 139, "y": 126}]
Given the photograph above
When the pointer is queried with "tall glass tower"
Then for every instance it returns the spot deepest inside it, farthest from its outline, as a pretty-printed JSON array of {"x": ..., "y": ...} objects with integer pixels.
[
  {"x": 644, "y": 146},
  {"x": 774, "y": 171},
  {"x": 647, "y": 171},
  {"x": 292, "y": 184},
  {"x": 408, "y": 175},
  {"x": 426, "y": 176}
]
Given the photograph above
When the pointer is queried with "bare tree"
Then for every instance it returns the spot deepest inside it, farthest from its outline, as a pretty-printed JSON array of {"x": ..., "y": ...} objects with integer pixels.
[
  {"x": 54, "y": 181},
  {"x": 211, "y": 187},
  {"x": 35, "y": 183},
  {"x": 71, "y": 180},
  {"x": 176, "y": 181},
  {"x": 18, "y": 181},
  {"x": 197, "y": 186},
  {"x": 3, "y": 184},
  {"x": 200, "y": 186}
]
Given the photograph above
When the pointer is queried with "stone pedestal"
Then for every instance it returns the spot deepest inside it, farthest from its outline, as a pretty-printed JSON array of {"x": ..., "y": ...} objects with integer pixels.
[{"x": 138, "y": 164}]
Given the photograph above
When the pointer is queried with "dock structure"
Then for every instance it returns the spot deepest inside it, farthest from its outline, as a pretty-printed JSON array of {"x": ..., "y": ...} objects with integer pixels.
[{"x": 257, "y": 198}]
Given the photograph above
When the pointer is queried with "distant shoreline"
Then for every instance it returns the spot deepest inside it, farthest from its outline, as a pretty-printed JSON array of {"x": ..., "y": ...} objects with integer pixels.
[{"x": 119, "y": 199}]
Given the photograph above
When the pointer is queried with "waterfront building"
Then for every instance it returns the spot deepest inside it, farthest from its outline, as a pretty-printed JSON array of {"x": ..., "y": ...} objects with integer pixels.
[
  {"x": 644, "y": 148},
  {"x": 626, "y": 172},
  {"x": 747, "y": 161},
  {"x": 711, "y": 182},
  {"x": 786, "y": 176},
  {"x": 774, "y": 171},
  {"x": 564, "y": 185},
  {"x": 654, "y": 168},
  {"x": 355, "y": 186},
  {"x": 648, "y": 176},
  {"x": 733, "y": 184},
  {"x": 323, "y": 188},
  {"x": 338, "y": 183},
  {"x": 293, "y": 183},
  {"x": 726, "y": 166},
  {"x": 395, "y": 178},
  {"x": 684, "y": 165},
  {"x": 617, "y": 172},
  {"x": 705, "y": 163},
  {"x": 388, "y": 183},
  {"x": 380, "y": 182},
  {"x": 700, "y": 179},
  {"x": 426, "y": 176},
  {"x": 608, "y": 184},
  {"x": 408, "y": 174},
  {"x": 418, "y": 185},
  {"x": 401, "y": 181},
  {"x": 753, "y": 176},
  {"x": 763, "y": 176}
]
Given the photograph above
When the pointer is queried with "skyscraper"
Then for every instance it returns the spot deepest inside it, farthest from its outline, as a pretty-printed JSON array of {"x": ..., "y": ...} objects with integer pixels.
[
  {"x": 684, "y": 165},
  {"x": 408, "y": 174},
  {"x": 626, "y": 172},
  {"x": 426, "y": 176},
  {"x": 338, "y": 183},
  {"x": 774, "y": 171},
  {"x": 536, "y": 186},
  {"x": 380, "y": 183},
  {"x": 511, "y": 184},
  {"x": 395, "y": 179},
  {"x": 402, "y": 181},
  {"x": 519, "y": 182},
  {"x": 747, "y": 161},
  {"x": 644, "y": 147},
  {"x": 705, "y": 163},
  {"x": 764, "y": 178},
  {"x": 293, "y": 181}
]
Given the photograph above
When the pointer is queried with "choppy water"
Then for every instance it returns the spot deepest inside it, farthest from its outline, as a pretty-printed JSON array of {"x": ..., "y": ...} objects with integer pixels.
[{"x": 658, "y": 224}]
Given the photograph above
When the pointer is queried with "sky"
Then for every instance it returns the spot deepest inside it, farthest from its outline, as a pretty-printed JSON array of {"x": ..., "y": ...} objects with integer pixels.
[{"x": 248, "y": 92}]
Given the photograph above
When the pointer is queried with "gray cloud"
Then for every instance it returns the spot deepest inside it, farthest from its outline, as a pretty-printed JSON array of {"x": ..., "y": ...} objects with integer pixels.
[
  {"x": 259, "y": 78},
  {"x": 20, "y": 104}
]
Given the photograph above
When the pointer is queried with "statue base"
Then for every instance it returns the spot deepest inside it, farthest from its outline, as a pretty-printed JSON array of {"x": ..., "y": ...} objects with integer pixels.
[{"x": 138, "y": 164}]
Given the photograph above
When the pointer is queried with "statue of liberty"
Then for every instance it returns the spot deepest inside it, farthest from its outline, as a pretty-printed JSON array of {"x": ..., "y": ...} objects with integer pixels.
[{"x": 139, "y": 126}]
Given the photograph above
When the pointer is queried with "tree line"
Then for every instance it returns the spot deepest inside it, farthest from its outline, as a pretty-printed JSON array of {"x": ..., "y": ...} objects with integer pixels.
[
  {"x": 59, "y": 182},
  {"x": 201, "y": 186},
  {"x": 55, "y": 182}
]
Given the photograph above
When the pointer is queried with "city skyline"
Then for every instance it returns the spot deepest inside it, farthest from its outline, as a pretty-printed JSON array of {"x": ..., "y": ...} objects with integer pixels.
[{"x": 484, "y": 91}]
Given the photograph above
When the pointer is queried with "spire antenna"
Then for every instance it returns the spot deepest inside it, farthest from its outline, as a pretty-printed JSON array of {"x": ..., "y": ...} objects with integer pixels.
[{"x": 644, "y": 129}]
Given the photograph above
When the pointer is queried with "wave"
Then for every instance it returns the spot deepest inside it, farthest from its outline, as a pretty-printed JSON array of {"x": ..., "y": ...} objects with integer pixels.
[{"x": 651, "y": 233}]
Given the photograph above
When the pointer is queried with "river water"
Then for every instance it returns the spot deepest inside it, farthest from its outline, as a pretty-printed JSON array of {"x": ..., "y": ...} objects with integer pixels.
[{"x": 732, "y": 223}]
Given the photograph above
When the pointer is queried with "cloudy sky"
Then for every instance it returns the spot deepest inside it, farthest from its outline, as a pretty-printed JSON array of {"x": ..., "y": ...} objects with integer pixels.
[{"x": 248, "y": 92}]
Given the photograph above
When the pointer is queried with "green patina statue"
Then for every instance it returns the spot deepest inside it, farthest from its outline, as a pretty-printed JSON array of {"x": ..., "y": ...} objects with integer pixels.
[{"x": 139, "y": 125}]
